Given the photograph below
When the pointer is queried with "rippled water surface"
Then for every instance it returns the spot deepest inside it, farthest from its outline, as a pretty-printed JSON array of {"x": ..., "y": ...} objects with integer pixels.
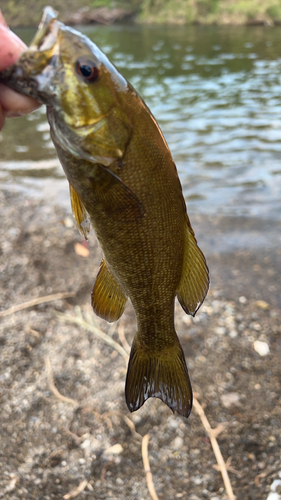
[{"x": 216, "y": 93}]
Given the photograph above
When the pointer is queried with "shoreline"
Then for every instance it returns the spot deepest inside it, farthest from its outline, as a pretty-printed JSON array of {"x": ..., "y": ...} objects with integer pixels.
[
  {"x": 144, "y": 13},
  {"x": 262, "y": 23}
]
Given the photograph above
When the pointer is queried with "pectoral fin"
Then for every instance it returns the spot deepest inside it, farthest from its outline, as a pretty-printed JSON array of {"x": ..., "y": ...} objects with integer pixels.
[
  {"x": 194, "y": 283},
  {"x": 80, "y": 213},
  {"x": 108, "y": 298},
  {"x": 118, "y": 199}
]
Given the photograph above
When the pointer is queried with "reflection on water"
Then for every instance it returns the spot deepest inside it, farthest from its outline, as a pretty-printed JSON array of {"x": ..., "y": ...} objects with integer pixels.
[{"x": 216, "y": 93}]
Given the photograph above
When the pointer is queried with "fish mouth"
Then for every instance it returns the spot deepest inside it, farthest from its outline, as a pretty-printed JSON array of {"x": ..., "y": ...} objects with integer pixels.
[
  {"x": 32, "y": 73},
  {"x": 46, "y": 35}
]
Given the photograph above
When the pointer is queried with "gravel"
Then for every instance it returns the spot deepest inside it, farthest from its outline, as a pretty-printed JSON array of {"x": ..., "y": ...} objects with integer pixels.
[{"x": 50, "y": 447}]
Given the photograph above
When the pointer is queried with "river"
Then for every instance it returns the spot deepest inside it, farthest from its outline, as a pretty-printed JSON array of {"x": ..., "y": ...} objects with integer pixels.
[{"x": 216, "y": 93}]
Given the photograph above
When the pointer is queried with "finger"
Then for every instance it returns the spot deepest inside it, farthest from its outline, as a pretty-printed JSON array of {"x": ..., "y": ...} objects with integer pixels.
[
  {"x": 10, "y": 48},
  {"x": 15, "y": 104},
  {"x": 11, "y": 103}
]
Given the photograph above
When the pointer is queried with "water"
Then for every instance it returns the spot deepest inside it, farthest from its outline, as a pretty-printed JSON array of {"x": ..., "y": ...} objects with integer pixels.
[{"x": 216, "y": 93}]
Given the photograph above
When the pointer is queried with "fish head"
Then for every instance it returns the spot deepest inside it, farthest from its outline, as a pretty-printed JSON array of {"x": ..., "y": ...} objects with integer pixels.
[{"x": 83, "y": 91}]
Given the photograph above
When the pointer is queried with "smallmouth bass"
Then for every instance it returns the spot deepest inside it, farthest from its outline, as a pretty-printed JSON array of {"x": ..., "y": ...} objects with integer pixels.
[{"x": 123, "y": 179}]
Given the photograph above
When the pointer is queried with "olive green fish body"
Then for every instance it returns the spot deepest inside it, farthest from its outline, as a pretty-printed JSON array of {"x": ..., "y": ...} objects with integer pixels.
[
  {"x": 152, "y": 177},
  {"x": 122, "y": 176}
]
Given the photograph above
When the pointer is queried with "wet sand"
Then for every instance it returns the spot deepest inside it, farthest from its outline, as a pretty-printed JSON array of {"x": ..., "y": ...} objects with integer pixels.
[{"x": 50, "y": 445}]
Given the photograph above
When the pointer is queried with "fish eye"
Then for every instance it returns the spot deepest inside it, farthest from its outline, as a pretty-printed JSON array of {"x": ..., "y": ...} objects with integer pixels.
[{"x": 86, "y": 69}]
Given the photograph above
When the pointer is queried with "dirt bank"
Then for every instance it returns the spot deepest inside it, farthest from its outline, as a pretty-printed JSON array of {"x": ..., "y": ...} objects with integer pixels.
[{"x": 50, "y": 446}]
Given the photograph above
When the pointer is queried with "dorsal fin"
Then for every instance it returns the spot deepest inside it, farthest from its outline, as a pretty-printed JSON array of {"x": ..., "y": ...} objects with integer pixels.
[
  {"x": 108, "y": 298},
  {"x": 80, "y": 213},
  {"x": 194, "y": 282}
]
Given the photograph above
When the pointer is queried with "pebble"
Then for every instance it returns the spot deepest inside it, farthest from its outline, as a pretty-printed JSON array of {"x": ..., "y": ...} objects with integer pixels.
[
  {"x": 202, "y": 359},
  {"x": 86, "y": 444},
  {"x": 274, "y": 495},
  {"x": 262, "y": 348},
  {"x": 242, "y": 299},
  {"x": 262, "y": 304},
  {"x": 232, "y": 398},
  {"x": 220, "y": 330},
  {"x": 207, "y": 309},
  {"x": 256, "y": 326},
  {"x": 177, "y": 443},
  {"x": 172, "y": 422},
  {"x": 114, "y": 450},
  {"x": 68, "y": 222},
  {"x": 197, "y": 480}
]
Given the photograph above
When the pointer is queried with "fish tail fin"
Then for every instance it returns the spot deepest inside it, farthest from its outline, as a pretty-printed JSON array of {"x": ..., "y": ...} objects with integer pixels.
[{"x": 163, "y": 376}]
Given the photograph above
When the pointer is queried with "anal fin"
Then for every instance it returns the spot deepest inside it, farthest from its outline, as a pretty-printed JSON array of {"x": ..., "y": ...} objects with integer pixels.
[
  {"x": 163, "y": 376},
  {"x": 108, "y": 298},
  {"x": 194, "y": 282}
]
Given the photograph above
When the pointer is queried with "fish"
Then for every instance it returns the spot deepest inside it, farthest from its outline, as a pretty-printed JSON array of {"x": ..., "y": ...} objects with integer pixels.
[{"x": 124, "y": 182}]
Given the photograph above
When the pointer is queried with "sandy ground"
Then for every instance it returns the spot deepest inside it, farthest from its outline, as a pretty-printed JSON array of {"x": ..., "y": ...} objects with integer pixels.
[{"x": 50, "y": 446}]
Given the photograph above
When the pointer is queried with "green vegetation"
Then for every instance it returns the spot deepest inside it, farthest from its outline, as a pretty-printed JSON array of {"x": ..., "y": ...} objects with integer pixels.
[
  {"x": 28, "y": 12},
  {"x": 211, "y": 11}
]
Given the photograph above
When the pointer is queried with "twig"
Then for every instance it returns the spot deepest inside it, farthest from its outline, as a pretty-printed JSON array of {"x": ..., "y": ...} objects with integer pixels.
[
  {"x": 35, "y": 302},
  {"x": 262, "y": 475},
  {"x": 122, "y": 337},
  {"x": 212, "y": 435},
  {"x": 104, "y": 469},
  {"x": 79, "y": 489},
  {"x": 52, "y": 384},
  {"x": 33, "y": 332},
  {"x": 101, "y": 335},
  {"x": 131, "y": 426},
  {"x": 228, "y": 467},
  {"x": 145, "y": 458},
  {"x": 77, "y": 439}
]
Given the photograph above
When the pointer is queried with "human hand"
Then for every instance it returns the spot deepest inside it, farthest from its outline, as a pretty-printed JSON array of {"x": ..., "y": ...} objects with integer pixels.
[{"x": 11, "y": 103}]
